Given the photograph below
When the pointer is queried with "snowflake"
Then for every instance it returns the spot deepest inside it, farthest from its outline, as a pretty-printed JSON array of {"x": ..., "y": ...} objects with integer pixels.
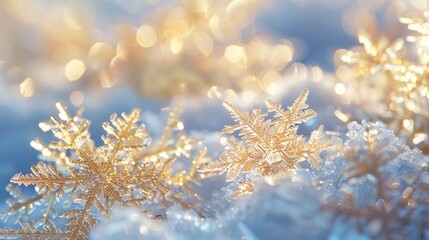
[
  {"x": 378, "y": 184},
  {"x": 127, "y": 171},
  {"x": 268, "y": 146},
  {"x": 389, "y": 79}
]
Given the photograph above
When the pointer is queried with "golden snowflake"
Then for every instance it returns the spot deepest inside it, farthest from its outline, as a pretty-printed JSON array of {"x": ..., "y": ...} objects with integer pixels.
[
  {"x": 127, "y": 171},
  {"x": 389, "y": 79},
  {"x": 270, "y": 146}
]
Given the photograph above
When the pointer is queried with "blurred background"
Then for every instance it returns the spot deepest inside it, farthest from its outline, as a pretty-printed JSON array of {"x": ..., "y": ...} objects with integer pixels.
[{"x": 110, "y": 56}]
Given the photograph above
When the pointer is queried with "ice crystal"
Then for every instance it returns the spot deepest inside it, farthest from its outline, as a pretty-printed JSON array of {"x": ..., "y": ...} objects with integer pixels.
[
  {"x": 270, "y": 146},
  {"x": 377, "y": 183},
  {"x": 127, "y": 171},
  {"x": 290, "y": 209},
  {"x": 129, "y": 223}
]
